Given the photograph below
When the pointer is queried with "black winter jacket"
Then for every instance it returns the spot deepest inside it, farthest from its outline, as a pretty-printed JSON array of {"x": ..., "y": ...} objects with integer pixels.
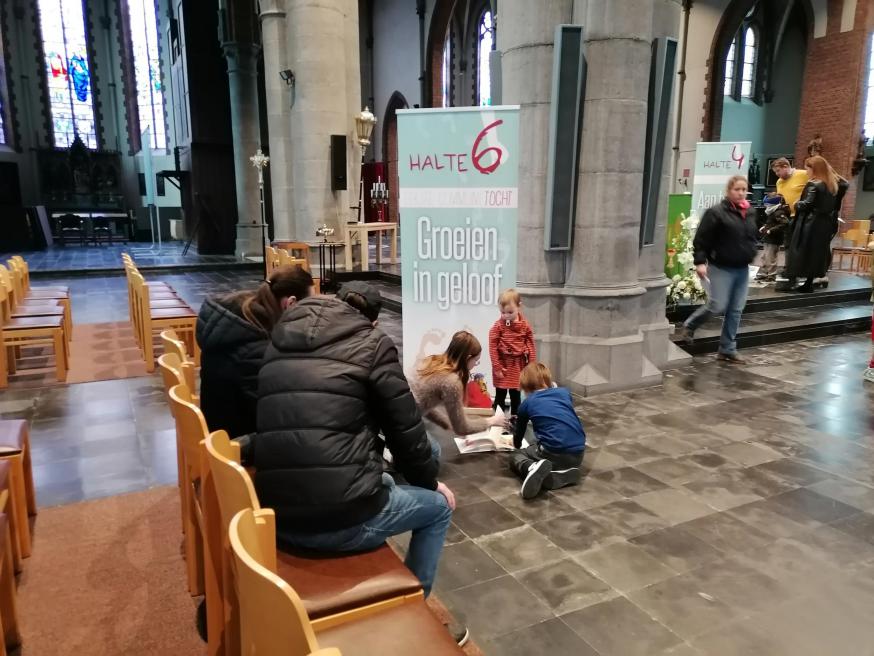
[
  {"x": 725, "y": 238},
  {"x": 330, "y": 382},
  {"x": 809, "y": 252},
  {"x": 231, "y": 352}
]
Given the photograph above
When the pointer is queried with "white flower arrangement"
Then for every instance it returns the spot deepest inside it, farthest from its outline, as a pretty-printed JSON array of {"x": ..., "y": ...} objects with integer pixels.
[{"x": 686, "y": 286}]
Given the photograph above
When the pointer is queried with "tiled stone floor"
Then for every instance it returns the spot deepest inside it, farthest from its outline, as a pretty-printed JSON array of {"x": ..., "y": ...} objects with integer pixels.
[{"x": 730, "y": 511}]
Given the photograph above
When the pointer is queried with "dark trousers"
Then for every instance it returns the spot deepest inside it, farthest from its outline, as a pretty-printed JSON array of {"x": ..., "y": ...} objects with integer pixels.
[
  {"x": 501, "y": 399},
  {"x": 565, "y": 466}
]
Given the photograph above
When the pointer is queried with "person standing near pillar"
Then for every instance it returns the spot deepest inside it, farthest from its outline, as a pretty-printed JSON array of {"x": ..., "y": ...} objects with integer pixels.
[{"x": 725, "y": 244}]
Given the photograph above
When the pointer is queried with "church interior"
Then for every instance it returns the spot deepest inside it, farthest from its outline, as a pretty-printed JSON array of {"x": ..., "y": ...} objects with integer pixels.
[{"x": 158, "y": 153}]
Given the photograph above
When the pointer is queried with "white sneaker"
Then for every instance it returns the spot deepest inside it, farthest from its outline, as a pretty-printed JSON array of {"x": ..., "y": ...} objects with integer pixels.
[{"x": 869, "y": 374}]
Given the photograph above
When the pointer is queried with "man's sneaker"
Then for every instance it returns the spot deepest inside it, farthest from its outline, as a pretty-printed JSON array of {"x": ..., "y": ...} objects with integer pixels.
[
  {"x": 559, "y": 478},
  {"x": 869, "y": 374},
  {"x": 732, "y": 358},
  {"x": 533, "y": 482},
  {"x": 683, "y": 334}
]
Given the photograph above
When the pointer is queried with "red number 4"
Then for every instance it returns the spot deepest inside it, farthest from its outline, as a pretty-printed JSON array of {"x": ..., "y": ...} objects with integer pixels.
[{"x": 477, "y": 155}]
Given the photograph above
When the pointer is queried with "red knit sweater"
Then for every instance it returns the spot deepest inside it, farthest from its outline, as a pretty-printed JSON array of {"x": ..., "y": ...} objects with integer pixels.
[{"x": 510, "y": 348}]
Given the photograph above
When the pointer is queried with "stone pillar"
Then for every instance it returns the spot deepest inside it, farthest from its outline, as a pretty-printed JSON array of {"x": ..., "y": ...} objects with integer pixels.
[
  {"x": 243, "y": 88},
  {"x": 278, "y": 100},
  {"x": 526, "y": 42},
  {"x": 316, "y": 40},
  {"x": 658, "y": 348}
]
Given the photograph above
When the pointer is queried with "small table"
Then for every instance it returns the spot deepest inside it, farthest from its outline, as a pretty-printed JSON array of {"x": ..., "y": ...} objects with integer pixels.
[
  {"x": 328, "y": 265},
  {"x": 362, "y": 231}
]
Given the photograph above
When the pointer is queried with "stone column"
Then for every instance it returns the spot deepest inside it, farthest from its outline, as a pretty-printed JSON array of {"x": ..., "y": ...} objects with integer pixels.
[
  {"x": 243, "y": 88},
  {"x": 278, "y": 99},
  {"x": 526, "y": 41},
  {"x": 658, "y": 348},
  {"x": 316, "y": 37}
]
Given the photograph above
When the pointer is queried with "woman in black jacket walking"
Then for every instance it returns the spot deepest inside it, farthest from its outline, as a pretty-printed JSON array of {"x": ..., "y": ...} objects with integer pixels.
[
  {"x": 809, "y": 252},
  {"x": 233, "y": 332},
  {"x": 725, "y": 244}
]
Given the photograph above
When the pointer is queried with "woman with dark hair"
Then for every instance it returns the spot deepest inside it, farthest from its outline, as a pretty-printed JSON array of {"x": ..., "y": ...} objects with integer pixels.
[
  {"x": 440, "y": 381},
  {"x": 233, "y": 332},
  {"x": 809, "y": 254}
]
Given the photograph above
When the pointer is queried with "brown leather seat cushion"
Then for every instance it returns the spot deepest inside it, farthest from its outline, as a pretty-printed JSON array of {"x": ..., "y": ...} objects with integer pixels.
[
  {"x": 337, "y": 582},
  {"x": 35, "y": 322},
  {"x": 12, "y": 432},
  {"x": 402, "y": 631},
  {"x": 172, "y": 313}
]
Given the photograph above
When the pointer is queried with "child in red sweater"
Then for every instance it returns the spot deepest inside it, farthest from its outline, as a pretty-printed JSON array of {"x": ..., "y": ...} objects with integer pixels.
[{"x": 511, "y": 348}]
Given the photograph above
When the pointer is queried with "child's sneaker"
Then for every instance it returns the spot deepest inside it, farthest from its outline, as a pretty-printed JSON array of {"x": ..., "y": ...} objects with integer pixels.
[
  {"x": 869, "y": 374},
  {"x": 533, "y": 482}
]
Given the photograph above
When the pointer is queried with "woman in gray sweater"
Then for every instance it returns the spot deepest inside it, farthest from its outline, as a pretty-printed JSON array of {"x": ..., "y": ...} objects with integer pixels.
[{"x": 439, "y": 383}]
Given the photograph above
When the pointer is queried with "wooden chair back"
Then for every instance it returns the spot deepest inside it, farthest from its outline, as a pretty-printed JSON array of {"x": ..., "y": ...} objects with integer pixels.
[
  {"x": 285, "y": 259},
  {"x": 272, "y": 616},
  {"x": 171, "y": 372},
  {"x": 299, "y": 250},
  {"x": 10, "y": 286},
  {"x": 25, "y": 269},
  {"x": 172, "y": 344}
]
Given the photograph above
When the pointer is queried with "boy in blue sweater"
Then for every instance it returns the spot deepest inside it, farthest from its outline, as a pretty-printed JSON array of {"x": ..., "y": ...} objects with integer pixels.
[{"x": 554, "y": 455}]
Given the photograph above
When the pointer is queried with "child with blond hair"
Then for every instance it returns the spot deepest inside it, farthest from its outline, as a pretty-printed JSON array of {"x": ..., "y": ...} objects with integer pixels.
[
  {"x": 511, "y": 347},
  {"x": 554, "y": 453}
]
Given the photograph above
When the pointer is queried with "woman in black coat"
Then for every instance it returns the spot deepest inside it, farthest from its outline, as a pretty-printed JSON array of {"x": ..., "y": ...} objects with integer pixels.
[
  {"x": 233, "y": 332},
  {"x": 809, "y": 252}
]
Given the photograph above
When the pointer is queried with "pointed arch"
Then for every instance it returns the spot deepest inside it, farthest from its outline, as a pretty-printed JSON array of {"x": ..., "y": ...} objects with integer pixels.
[{"x": 390, "y": 150}]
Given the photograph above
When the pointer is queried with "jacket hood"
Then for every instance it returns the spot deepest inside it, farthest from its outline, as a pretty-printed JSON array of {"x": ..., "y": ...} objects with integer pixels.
[
  {"x": 316, "y": 322},
  {"x": 219, "y": 326}
]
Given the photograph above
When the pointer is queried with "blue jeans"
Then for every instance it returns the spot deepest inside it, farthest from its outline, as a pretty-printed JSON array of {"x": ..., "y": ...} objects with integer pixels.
[
  {"x": 727, "y": 295},
  {"x": 409, "y": 508}
]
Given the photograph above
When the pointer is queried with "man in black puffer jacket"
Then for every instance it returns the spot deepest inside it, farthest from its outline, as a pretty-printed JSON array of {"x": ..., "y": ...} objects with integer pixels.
[{"x": 330, "y": 382}]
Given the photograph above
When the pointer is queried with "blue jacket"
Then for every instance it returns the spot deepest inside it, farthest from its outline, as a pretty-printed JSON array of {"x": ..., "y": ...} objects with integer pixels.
[{"x": 556, "y": 425}]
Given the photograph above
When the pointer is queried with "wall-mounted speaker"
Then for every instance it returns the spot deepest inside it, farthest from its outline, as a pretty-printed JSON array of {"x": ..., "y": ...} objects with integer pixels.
[
  {"x": 338, "y": 162},
  {"x": 565, "y": 119}
]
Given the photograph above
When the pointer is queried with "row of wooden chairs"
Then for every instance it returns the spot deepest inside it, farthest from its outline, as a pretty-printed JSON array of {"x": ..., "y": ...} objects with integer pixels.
[
  {"x": 17, "y": 504},
  {"x": 153, "y": 307},
  {"x": 39, "y": 316},
  {"x": 259, "y": 600},
  {"x": 296, "y": 254}
]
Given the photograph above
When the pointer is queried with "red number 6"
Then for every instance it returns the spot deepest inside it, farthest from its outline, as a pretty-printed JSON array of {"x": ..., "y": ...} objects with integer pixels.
[{"x": 476, "y": 156}]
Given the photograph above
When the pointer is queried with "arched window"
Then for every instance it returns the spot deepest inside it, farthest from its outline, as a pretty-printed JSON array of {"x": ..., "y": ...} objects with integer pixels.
[
  {"x": 2, "y": 125},
  {"x": 740, "y": 65},
  {"x": 869, "y": 106},
  {"x": 729, "y": 67},
  {"x": 484, "y": 49},
  {"x": 142, "y": 15},
  {"x": 447, "y": 71},
  {"x": 749, "y": 66},
  {"x": 68, "y": 72}
]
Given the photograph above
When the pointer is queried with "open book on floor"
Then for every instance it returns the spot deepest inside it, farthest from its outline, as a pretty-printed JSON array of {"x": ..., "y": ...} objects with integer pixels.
[{"x": 495, "y": 438}]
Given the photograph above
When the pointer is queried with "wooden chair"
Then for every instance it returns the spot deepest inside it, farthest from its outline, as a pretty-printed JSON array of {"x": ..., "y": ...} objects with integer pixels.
[
  {"x": 34, "y": 304},
  {"x": 31, "y": 331},
  {"x": 15, "y": 449},
  {"x": 273, "y": 619},
  {"x": 285, "y": 259},
  {"x": 8, "y": 605},
  {"x": 299, "y": 250},
  {"x": 18, "y": 262},
  {"x": 172, "y": 344},
  {"x": 147, "y": 319},
  {"x": 334, "y": 589},
  {"x": 272, "y": 262},
  {"x": 10, "y": 510}
]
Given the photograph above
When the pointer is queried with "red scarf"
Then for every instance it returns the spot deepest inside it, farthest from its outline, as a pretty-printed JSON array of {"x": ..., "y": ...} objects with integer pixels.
[{"x": 742, "y": 207}]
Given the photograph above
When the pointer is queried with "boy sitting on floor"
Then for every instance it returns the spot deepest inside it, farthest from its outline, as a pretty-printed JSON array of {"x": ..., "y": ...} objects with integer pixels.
[{"x": 555, "y": 451}]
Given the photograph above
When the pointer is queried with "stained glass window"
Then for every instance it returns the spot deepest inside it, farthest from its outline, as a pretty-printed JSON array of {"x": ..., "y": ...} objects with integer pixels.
[
  {"x": 2, "y": 125},
  {"x": 68, "y": 71},
  {"x": 869, "y": 106},
  {"x": 147, "y": 69},
  {"x": 447, "y": 72},
  {"x": 486, "y": 36}
]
